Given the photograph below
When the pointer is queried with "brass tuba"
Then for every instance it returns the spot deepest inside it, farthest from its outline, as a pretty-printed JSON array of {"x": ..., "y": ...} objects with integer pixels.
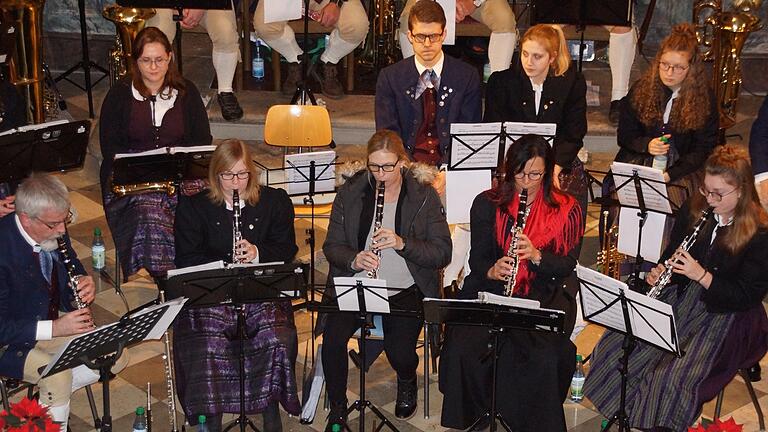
[
  {"x": 128, "y": 23},
  {"x": 26, "y": 68},
  {"x": 381, "y": 42},
  {"x": 704, "y": 20}
]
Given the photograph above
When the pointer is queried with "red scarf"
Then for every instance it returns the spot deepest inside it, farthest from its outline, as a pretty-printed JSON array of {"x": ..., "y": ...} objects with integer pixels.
[{"x": 554, "y": 229}]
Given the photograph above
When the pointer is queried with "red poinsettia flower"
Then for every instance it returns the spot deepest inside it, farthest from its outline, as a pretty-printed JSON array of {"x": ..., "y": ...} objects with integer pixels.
[
  {"x": 28, "y": 409},
  {"x": 2, "y": 420},
  {"x": 728, "y": 426},
  {"x": 50, "y": 426},
  {"x": 698, "y": 428}
]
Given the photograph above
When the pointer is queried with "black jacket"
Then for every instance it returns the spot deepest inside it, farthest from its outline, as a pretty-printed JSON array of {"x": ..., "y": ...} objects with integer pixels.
[
  {"x": 203, "y": 230},
  {"x": 509, "y": 96},
  {"x": 420, "y": 220},
  {"x": 693, "y": 146}
]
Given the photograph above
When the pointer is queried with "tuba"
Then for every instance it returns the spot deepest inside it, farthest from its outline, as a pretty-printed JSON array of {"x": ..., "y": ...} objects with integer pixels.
[
  {"x": 381, "y": 41},
  {"x": 128, "y": 23},
  {"x": 26, "y": 68}
]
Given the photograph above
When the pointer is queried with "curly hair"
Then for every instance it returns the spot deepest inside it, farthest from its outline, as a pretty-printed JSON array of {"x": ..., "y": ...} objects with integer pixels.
[{"x": 691, "y": 109}]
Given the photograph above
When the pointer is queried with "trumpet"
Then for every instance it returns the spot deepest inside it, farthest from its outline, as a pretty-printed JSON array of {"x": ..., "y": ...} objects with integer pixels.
[
  {"x": 516, "y": 231},
  {"x": 377, "y": 221}
]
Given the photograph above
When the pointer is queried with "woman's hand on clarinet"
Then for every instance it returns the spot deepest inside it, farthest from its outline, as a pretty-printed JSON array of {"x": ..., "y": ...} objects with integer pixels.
[
  {"x": 365, "y": 260},
  {"x": 386, "y": 238},
  {"x": 683, "y": 263},
  {"x": 501, "y": 269},
  {"x": 247, "y": 252},
  {"x": 654, "y": 274},
  {"x": 526, "y": 250}
]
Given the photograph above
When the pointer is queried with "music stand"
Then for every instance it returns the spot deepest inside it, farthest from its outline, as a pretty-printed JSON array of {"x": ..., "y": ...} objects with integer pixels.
[
  {"x": 238, "y": 285},
  {"x": 99, "y": 349},
  {"x": 582, "y": 13},
  {"x": 611, "y": 303},
  {"x": 497, "y": 318},
  {"x": 171, "y": 164},
  {"x": 178, "y": 6}
]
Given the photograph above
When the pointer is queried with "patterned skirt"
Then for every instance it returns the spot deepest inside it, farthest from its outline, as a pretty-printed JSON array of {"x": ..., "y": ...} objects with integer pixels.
[
  {"x": 206, "y": 353},
  {"x": 662, "y": 389}
]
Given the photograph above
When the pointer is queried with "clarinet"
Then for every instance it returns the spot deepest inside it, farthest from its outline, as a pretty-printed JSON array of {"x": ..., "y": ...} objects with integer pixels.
[
  {"x": 517, "y": 229},
  {"x": 379, "y": 217},
  {"x": 236, "y": 234},
  {"x": 69, "y": 264},
  {"x": 685, "y": 245}
]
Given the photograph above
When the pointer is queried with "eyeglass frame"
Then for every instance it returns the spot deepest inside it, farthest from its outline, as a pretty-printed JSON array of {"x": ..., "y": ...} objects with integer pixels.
[
  {"x": 715, "y": 195},
  {"x": 522, "y": 175},
  {"x": 664, "y": 66},
  {"x": 231, "y": 175},
  {"x": 156, "y": 61},
  {"x": 53, "y": 225},
  {"x": 433, "y": 38},
  {"x": 379, "y": 168}
]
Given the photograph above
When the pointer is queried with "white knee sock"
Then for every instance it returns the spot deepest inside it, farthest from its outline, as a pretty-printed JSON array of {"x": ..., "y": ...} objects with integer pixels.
[
  {"x": 225, "y": 64},
  {"x": 405, "y": 44},
  {"x": 60, "y": 414},
  {"x": 337, "y": 48},
  {"x": 286, "y": 45},
  {"x": 501, "y": 46},
  {"x": 621, "y": 55}
]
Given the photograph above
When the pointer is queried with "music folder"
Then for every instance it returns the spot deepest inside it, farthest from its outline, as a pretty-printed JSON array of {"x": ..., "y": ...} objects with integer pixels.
[{"x": 162, "y": 165}]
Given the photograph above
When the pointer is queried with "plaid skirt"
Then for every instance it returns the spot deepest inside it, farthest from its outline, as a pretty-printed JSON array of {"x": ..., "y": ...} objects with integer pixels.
[
  {"x": 206, "y": 353},
  {"x": 662, "y": 389}
]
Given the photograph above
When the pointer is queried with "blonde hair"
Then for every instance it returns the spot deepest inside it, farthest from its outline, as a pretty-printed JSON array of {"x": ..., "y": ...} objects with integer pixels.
[
  {"x": 387, "y": 140},
  {"x": 551, "y": 37},
  {"x": 228, "y": 153}
]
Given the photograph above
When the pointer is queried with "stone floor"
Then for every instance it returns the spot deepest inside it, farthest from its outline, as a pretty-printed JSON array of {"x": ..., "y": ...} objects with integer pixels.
[{"x": 353, "y": 122}]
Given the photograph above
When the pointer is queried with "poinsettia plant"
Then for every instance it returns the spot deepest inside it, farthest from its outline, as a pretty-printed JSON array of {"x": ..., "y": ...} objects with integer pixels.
[
  {"x": 27, "y": 415},
  {"x": 717, "y": 426}
]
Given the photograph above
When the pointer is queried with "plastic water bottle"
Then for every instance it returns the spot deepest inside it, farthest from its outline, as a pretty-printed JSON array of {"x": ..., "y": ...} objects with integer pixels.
[
  {"x": 486, "y": 72},
  {"x": 257, "y": 67},
  {"x": 577, "y": 382},
  {"x": 202, "y": 426},
  {"x": 140, "y": 422},
  {"x": 98, "y": 252},
  {"x": 660, "y": 161}
]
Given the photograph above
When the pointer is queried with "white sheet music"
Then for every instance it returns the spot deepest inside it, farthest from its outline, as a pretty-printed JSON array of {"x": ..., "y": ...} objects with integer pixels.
[
  {"x": 461, "y": 188},
  {"x": 654, "y": 191},
  {"x": 297, "y": 172},
  {"x": 168, "y": 150},
  {"x": 449, "y": 7},
  {"x": 518, "y": 129},
  {"x": 467, "y": 149},
  {"x": 214, "y": 265},
  {"x": 486, "y": 297},
  {"x": 283, "y": 10},
  {"x": 375, "y": 294},
  {"x": 653, "y": 233},
  {"x": 599, "y": 292}
]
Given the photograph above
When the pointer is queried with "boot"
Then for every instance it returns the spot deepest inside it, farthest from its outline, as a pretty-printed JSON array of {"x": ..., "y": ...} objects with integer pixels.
[
  {"x": 405, "y": 407},
  {"x": 329, "y": 81},
  {"x": 230, "y": 107},
  {"x": 292, "y": 79},
  {"x": 337, "y": 418},
  {"x": 271, "y": 415}
]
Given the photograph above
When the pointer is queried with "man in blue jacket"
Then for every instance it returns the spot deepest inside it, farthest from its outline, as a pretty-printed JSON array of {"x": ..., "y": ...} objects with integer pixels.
[
  {"x": 420, "y": 96},
  {"x": 36, "y": 303}
]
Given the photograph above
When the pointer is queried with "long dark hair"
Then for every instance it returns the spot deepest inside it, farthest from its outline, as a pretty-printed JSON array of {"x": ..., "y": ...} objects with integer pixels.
[
  {"x": 173, "y": 78},
  {"x": 519, "y": 153}
]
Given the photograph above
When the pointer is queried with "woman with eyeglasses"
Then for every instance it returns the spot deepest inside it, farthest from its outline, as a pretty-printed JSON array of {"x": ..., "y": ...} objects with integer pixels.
[
  {"x": 414, "y": 244},
  {"x": 154, "y": 107},
  {"x": 716, "y": 294},
  {"x": 535, "y": 368},
  {"x": 206, "y": 355}
]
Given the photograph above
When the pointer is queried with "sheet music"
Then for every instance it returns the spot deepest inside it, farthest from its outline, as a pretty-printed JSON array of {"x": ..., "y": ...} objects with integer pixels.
[
  {"x": 283, "y": 10},
  {"x": 214, "y": 265},
  {"x": 653, "y": 234},
  {"x": 449, "y": 7},
  {"x": 168, "y": 150},
  {"x": 486, "y": 297},
  {"x": 461, "y": 188},
  {"x": 375, "y": 294},
  {"x": 297, "y": 172},
  {"x": 652, "y": 190},
  {"x": 471, "y": 151},
  {"x": 598, "y": 291},
  {"x": 517, "y": 129},
  {"x": 32, "y": 127}
]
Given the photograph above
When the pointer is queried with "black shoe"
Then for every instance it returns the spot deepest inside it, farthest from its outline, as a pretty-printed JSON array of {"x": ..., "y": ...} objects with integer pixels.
[
  {"x": 613, "y": 112},
  {"x": 271, "y": 417},
  {"x": 230, "y": 107},
  {"x": 292, "y": 80},
  {"x": 405, "y": 407},
  {"x": 482, "y": 424},
  {"x": 337, "y": 418},
  {"x": 754, "y": 373},
  {"x": 355, "y": 357},
  {"x": 329, "y": 81}
]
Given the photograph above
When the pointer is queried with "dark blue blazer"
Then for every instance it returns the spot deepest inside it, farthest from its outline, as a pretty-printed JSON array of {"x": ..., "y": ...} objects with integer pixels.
[
  {"x": 459, "y": 100},
  {"x": 24, "y": 296},
  {"x": 758, "y": 140}
]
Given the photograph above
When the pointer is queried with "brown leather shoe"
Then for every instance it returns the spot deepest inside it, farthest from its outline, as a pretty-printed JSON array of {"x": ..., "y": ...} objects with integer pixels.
[
  {"x": 329, "y": 81},
  {"x": 292, "y": 79}
]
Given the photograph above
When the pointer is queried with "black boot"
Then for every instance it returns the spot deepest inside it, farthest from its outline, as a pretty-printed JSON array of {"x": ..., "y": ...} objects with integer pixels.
[
  {"x": 292, "y": 79},
  {"x": 230, "y": 107},
  {"x": 337, "y": 418},
  {"x": 754, "y": 372},
  {"x": 271, "y": 415},
  {"x": 614, "y": 112},
  {"x": 405, "y": 406}
]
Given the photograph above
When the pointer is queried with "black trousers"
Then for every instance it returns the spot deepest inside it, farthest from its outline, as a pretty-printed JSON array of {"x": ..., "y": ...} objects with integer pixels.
[{"x": 400, "y": 336}]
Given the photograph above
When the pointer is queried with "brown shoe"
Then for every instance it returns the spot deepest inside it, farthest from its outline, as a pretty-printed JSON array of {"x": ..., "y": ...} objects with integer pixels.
[
  {"x": 292, "y": 80},
  {"x": 329, "y": 81}
]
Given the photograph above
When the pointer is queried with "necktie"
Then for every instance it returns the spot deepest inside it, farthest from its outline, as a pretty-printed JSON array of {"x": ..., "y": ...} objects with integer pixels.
[
  {"x": 427, "y": 79},
  {"x": 46, "y": 264}
]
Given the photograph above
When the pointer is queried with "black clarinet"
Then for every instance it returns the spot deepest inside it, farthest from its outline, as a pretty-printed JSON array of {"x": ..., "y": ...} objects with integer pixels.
[
  {"x": 236, "y": 233},
  {"x": 69, "y": 264},
  {"x": 377, "y": 221}
]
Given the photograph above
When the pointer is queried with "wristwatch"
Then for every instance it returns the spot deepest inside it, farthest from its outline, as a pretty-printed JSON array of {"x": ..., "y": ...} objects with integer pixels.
[{"x": 478, "y": 3}]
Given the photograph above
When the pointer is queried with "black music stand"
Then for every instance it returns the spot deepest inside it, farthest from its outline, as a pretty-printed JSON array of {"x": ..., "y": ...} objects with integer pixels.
[
  {"x": 178, "y": 6},
  {"x": 100, "y": 348},
  {"x": 238, "y": 285},
  {"x": 176, "y": 164},
  {"x": 582, "y": 13},
  {"x": 608, "y": 302},
  {"x": 44, "y": 147},
  {"x": 497, "y": 318}
]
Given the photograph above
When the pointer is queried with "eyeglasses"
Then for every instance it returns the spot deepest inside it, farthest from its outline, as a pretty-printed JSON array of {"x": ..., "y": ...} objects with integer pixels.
[
  {"x": 243, "y": 175},
  {"x": 53, "y": 225},
  {"x": 146, "y": 61},
  {"x": 716, "y": 196},
  {"x": 421, "y": 38},
  {"x": 675, "y": 68},
  {"x": 532, "y": 176},
  {"x": 385, "y": 167}
]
